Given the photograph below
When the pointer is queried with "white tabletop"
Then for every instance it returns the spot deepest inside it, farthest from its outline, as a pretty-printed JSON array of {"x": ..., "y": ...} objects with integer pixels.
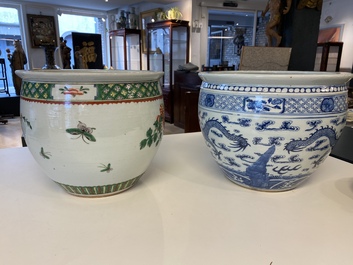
[{"x": 183, "y": 211}]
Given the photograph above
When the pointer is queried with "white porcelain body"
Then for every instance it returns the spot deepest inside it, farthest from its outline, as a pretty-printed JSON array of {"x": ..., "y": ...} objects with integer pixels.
[
  {"x": 271, "y": 130},
  {"x": 89, "y": 129}
]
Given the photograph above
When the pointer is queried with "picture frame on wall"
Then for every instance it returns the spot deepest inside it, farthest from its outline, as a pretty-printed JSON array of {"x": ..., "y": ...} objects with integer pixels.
[
  {"x": 332, "y": 33},
  {"x": 42, "y": 30},
  {"x": 145, "y": 18}
]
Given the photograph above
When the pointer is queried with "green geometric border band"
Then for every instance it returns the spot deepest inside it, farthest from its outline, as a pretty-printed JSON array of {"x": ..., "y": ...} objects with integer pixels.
[
  {"x": 122, "y": 91},
  {"x": 105, "y": 190}
]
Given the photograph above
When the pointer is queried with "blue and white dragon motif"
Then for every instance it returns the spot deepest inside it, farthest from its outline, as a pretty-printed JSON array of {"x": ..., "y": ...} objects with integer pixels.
[
  {"x": 239, "y": 143},
  {"x": 300, "y": 144},
  {"x": 256, "y": 172}
]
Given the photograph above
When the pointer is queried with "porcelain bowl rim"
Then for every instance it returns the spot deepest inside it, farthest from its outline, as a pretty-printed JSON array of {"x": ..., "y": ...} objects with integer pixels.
[
  {"x": 276, "y": 78},
  {"x": 89, "y": 75}
]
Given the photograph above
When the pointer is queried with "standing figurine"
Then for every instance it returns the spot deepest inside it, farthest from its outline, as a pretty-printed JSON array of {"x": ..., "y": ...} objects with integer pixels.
[
  {"x": 17, "y": 61},
  {"x": 65, "y": 52},
  {"x": 274, "y": 7}
]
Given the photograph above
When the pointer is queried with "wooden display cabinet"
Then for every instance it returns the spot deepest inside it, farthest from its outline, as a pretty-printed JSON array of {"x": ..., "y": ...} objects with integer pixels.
[
  {"x": 125, "y": 49},
  {"x": 186, "y": 95},
  {"x": 167, "y": 48}
]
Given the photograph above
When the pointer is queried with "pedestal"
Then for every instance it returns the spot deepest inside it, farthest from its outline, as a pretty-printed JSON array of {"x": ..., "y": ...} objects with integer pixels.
[{"x": 49, "y": 57}]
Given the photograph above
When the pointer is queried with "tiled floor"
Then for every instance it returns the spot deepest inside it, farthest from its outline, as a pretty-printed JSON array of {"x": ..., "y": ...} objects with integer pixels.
[{"x": 10, "y": 133}]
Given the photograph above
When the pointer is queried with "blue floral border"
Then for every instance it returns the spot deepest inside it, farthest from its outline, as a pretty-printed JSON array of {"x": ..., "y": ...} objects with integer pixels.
[{"x": 272, "y": 89}]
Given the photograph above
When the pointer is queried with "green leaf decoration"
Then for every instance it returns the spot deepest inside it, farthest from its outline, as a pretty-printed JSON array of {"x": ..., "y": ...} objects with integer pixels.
[
  {"x": 154, "y": 135},
  {"x": 143, "y": 143},
  {"x": 149, "y": 142},
  {"x": 149, "y": 132}
]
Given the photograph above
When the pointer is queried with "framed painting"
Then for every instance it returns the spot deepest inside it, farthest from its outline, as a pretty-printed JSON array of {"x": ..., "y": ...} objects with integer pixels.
[
  {"x": 145, "y": 18},
  {"x": 87, "y": 50},
  {"x": 330, "y": 34},
  {"x": 42, "y": 30}
]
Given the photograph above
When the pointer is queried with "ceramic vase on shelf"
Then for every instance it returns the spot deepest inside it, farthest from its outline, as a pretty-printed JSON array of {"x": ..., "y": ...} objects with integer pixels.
[
  {"x": 132, "y": 19},
  {"x": 94, "y": 132},
  {"x": 122, "y": 20},
  {"x": 270, "y": 131},
  {"x": 127, "y": 21}
]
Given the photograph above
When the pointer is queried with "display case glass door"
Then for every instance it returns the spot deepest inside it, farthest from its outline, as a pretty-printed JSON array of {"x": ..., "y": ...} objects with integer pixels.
[
  {"x": 125, "y": 49},
  {"x": 167, "y": 48}
]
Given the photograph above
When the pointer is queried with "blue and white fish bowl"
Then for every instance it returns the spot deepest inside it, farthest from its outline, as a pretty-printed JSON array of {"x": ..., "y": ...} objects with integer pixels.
[
  {"x": 94, "y": 132},
  {"x": 269, "y": 130}
]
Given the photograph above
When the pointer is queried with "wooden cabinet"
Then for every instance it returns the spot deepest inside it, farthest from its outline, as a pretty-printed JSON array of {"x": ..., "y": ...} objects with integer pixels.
[
  {"x": 167, "y": 48},
  {"x": 125, "y": 49},
  {"x": 186, "y": 95}
]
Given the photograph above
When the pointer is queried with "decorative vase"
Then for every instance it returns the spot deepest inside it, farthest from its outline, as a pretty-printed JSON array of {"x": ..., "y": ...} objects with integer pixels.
[
  {"x": 127, "y": 21},
  {"x": 161, "y": 16},
  {"x": 133, "y": 19},
  {"x": 94, "y": 132},
  {"x": 122, "y": 20},
  {"x": 271, "y": 130}
]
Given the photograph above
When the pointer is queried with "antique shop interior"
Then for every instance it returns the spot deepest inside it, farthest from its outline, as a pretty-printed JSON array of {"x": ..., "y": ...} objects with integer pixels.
[
  {"x": 180, "y": 38},
  {"x": 176, "y": 132}
]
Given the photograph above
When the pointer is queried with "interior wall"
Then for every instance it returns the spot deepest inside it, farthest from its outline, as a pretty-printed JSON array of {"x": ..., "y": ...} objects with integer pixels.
[
  {"x": 341, "y": 13},
  {"x": 36, "y": 56}
]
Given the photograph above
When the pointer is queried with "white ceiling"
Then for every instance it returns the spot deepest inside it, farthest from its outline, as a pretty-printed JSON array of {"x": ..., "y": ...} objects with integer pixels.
[{"x": 101, "y": 5}]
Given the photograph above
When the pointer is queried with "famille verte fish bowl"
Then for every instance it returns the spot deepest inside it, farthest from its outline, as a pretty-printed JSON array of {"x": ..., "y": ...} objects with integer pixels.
[
  {"x": 94, "y": 132},
  {"x": 271, "y": 130}
]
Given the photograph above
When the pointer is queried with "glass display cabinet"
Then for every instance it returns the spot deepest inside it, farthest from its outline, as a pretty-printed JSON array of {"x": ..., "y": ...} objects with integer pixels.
[
  {"x": 167, "y": 48},
  {"x": 125, "y": 49}
]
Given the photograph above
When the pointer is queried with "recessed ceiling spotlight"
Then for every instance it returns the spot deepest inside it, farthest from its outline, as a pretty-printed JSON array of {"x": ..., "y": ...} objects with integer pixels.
[{"x": 106, "y": 0}]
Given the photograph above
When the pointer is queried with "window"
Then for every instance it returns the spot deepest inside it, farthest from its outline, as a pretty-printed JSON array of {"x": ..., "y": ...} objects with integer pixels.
[
  {"x": 228, "y": 31},
  {"x": 9, "y": 31}
]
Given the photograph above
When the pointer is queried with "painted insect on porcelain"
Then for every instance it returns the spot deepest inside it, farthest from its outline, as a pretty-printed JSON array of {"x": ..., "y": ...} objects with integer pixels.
[
  {"x": 94, "y": 132},
  {"x": 271, "y": 130}
]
